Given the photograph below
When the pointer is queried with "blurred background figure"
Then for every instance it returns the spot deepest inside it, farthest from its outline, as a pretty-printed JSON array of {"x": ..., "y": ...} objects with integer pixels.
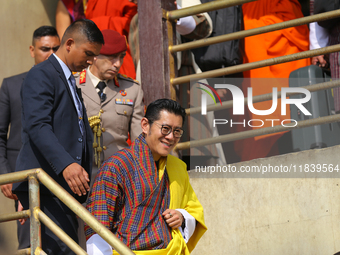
[
  {"x": 67, "y": 12},
  {"x": 221, "y": 55},
  {"x": 326, "y": 33},
  {"x": 265, "y": 46},
  {"x": 115, "y": 15},
  {"x": 45, "y": 41}
]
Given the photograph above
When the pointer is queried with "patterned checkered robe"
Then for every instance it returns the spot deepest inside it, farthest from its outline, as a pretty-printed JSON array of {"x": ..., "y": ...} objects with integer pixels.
[{"x": 128, "y": 198}]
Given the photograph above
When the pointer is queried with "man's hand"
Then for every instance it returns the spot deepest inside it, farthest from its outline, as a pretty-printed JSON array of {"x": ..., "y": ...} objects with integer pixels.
[
  {"x": 77, "y": 179},
  {"x": 173, "y": 218},
  {"x": 21, "y": 208},
  {"x": 6, "y": 189},
  {"x": 320, "y": 61},
  {"x": 222, "y": 93}
]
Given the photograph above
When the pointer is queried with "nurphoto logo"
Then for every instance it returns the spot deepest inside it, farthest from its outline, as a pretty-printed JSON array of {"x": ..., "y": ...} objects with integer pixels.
[{"x": 239, "y": 105}]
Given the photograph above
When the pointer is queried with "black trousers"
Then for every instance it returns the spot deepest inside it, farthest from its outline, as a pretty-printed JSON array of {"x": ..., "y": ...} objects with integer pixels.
[{"x": 59, "y": 214}]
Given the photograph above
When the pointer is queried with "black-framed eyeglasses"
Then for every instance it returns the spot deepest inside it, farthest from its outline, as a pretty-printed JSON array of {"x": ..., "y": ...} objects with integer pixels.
[{"x": 166, "y": 130}]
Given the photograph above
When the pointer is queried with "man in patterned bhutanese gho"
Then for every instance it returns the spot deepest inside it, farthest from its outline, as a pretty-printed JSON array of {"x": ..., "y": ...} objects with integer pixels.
[
  {"x": 143, "y": 195},
  {"x": 113, "y": 102}
]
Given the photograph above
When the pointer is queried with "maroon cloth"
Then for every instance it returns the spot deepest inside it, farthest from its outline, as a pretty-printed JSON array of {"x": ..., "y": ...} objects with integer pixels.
[
  {"x": 114, "y": 42},
  {"x": 115, "y": 15},
  {"x": 75, "y": 9}
]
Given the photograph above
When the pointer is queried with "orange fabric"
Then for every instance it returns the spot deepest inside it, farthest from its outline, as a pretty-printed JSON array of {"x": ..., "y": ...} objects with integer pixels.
[
  {"x": 128, "y": 141},
  {"x": 115, "y": 15},
  {"x": 265, "y": 46}
]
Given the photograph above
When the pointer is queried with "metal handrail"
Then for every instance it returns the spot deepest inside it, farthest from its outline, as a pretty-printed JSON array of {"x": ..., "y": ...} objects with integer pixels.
[
  {"x": 257, "y": 132},
  {"x": 15, "y": 216},
  {"x": 26, "y": 251},
  {"x": 38, "y": 174},
  {"x": 255, "y": 65},
  {"x": 250, "y": 66},
  {"x": 59, "y": 232},
  {"x": 206, "y": 7},
  {"x": 84, "y": 214},
  {"x": 254, "y": 31}
]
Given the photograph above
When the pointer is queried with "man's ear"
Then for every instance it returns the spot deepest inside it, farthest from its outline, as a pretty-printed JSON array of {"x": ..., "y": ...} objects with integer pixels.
[
  {"x": 145, "y": 125},
  {"x": 69, "y": 44},
  {"x": 32, "y": 51}
]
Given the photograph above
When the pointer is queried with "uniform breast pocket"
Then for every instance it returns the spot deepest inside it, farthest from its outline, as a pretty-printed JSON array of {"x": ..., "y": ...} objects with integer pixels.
[{"x": 124, "y": 113}]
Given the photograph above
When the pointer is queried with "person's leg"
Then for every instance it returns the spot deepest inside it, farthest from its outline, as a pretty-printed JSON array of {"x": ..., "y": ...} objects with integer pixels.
[
  {"x": 59, "y": 214},
  {"x": 65, "y": 219}
]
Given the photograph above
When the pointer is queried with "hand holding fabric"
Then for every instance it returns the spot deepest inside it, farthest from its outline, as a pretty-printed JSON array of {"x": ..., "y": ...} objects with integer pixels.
[{"x": 173, "y": 218}]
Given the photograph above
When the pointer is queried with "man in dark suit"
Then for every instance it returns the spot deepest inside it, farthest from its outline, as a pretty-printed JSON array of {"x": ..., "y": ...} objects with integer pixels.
[
  {"x": 45, "y": 42},
  {"x": 56, "y": 134}
]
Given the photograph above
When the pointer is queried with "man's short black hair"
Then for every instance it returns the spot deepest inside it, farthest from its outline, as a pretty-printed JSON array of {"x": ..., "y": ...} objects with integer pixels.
[
  {"x": 154, "y": 109},
  {"x": 86, "y": 28},
  {"x": 44, "y": 31}
]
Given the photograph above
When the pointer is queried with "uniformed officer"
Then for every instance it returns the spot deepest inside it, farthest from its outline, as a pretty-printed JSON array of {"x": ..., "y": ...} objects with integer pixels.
[{"x": 114, "y": 102}]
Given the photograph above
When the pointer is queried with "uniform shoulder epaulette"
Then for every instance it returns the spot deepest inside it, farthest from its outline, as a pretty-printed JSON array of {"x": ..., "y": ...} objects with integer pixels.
[
  {"x": 82, "y": 77},
  {"x": 123, "y": 76}
]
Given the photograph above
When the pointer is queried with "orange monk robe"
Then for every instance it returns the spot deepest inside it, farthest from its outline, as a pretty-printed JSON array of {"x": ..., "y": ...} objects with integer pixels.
[
  {"x": 115, "y": 15},
  {"x": 265, "y": 46}
]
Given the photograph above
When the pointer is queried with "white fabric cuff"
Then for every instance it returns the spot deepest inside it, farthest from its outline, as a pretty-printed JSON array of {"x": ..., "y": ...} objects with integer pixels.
[
  {"x": 98, "y": 246},
  {"x": 185, "y": 25},
  {"x": 190, "y": 225},
  {"x": 318, "y": 36}
]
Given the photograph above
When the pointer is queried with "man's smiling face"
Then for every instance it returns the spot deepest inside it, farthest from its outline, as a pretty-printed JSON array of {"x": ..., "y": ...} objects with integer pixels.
[{"x": 160, "y": 144}]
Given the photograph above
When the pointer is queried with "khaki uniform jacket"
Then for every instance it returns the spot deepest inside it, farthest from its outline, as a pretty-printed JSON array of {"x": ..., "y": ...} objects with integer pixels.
[{"x": 117, "y": 120}]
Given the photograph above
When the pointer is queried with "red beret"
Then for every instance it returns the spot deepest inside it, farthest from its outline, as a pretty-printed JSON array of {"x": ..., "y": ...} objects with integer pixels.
[{"x": 114, "y": 42}]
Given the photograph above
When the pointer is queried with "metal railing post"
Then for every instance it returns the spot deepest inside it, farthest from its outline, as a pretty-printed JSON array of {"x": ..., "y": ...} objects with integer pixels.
[
  {"x": 34, "y": 202},
  {"x": 154, "y": 49}
]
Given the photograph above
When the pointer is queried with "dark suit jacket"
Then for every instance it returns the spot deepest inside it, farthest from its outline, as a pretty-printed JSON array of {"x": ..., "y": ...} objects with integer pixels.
[
  {"x": 51, "y": 135},
  {"x": 10, "y": 113}
]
